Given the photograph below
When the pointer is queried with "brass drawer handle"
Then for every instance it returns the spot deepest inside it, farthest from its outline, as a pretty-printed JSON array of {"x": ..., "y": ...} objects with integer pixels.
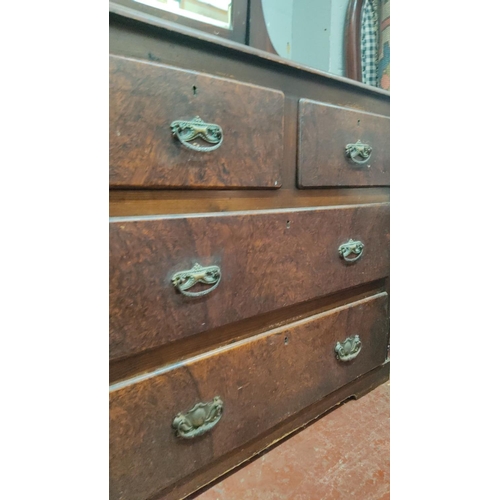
[
  {"x": 359, "y": 153},
  {"x": 349, "y": 349},
  {"x": 351, "y": 247},
  {"x": 184, "y": 280},
  {"x": 187, "y": 131},
  {"x": 199, "y": 419}
]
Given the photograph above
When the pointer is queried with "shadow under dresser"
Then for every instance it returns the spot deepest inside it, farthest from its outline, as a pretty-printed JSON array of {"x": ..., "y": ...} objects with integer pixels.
[{"x": 249, "y": 252}]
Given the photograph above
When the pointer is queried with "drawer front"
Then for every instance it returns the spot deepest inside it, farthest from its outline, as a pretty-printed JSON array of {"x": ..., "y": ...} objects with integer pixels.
[
  {"x": 267, "y": 260},
  {"x": 146, "y": 98},
  {"x": 324, "y": 133},
  {"x": 260, "y": 381}
]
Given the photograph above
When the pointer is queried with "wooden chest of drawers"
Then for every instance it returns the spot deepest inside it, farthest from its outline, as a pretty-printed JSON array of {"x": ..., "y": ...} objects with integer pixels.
[{"x": 249, "y": 253}]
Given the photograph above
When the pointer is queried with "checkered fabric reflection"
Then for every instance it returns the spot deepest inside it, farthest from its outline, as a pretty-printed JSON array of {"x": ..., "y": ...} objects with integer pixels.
[{"x": 369, "y": 43}]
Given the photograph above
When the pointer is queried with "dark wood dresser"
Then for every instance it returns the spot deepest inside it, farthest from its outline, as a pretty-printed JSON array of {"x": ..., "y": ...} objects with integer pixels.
[{"x": 249, "y": 252}]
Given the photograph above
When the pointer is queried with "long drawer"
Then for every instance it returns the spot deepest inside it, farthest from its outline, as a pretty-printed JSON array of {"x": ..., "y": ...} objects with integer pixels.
[
  {"x": 251, "y": 263},
  {"x": 171, "y": 128},
  {"x": 157, "y": 433},
  {"x": 341, "y": 147}
]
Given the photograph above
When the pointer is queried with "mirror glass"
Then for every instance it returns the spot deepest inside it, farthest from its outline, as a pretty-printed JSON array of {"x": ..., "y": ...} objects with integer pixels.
[
  {"x": 314, "y": 34},
  {"x": 215, "y": 12}
]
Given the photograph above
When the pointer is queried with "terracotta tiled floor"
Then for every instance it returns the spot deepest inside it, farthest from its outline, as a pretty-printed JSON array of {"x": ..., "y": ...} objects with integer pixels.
[{"x": 343, "y": 455}]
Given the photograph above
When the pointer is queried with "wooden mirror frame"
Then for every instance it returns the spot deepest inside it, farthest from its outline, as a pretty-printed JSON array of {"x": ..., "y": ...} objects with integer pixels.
[
  {"x": 238, "y": 33},
  {"x": 258, "y": 36},
  {"x": 352, "y": 40}
]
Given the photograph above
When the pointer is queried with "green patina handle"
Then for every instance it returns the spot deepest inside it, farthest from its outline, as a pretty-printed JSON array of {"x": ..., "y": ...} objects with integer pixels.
[
  {"x": 348, "y": 349},
  {"x": 359, "y": 153},
  {"x": 184, "y": 280},
  {"x": 351, "y": 247},
  {"x": 199, "y": 419},
  {"x": 189, "y": 130}
]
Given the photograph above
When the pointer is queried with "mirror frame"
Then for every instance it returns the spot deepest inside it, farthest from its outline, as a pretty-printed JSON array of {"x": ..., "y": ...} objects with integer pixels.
[{"x": 238, "y": 33}]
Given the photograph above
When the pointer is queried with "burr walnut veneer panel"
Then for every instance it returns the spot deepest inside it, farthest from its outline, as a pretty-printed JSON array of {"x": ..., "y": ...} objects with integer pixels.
[
  {"x": 268, "y": 260},
  {"x": 261, "y": 381},
  {"x": 145, "y": 98},
  {"x": 324, "y": 133}
]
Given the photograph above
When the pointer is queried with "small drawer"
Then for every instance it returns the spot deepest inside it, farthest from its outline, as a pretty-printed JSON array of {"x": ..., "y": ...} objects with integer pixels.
[
  {"x": 341, "y": 147},
  {"x": 176, "y": 276},
  {"x": 171, "y": 128},
  {"x": 158, "y": 435}
]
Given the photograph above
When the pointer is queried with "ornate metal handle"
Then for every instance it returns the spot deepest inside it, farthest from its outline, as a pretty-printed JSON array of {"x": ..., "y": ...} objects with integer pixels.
[
  {"x": 348, "y": 349},
  {"x": 184, "y": 280},
  {"x": 351, "y": 247},
  {"x": 359, "y": 153},
  {"x": 199, "y": 419},
  {"x": 187, "y": 131}
]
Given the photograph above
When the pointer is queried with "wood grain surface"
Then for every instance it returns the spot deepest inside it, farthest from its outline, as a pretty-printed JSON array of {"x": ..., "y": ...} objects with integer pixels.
[
  {"x": 268, "y": 260},
  {"x": 353, "y": 390},
  {"x": 148, "y": 361},
  {"x": 262, "y": 381},
  {"x": 324, "y": 132},
  {"x": 125, "y": 203},
  {"x": 145, "y": 98}
]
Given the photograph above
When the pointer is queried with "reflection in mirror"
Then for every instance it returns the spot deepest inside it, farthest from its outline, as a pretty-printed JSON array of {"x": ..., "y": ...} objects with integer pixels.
[
  {"x": 316, "y": 34},
  {"x": 215, "y": 12}
]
